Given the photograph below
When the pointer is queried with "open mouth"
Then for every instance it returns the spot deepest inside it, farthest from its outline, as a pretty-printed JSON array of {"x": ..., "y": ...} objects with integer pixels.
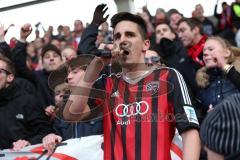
[{"x": 126, "y": 52}]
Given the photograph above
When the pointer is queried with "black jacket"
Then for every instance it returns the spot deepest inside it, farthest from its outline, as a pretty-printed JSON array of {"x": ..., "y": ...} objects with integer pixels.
[
  {"x": 5, "y": 49},
  {"x": 220, "y": 86},
  {"x": 45, "y": 93},
  {"x": 216, "y": 85},
  {"x": 87, "y": 45},
  {"x": 69, "y": 130},
  {"x": 174, "y": 55},
  {"x": 88, "y": 40},
  {"x": 21, "y": 117},
  {"x": 38, "y": 78}
]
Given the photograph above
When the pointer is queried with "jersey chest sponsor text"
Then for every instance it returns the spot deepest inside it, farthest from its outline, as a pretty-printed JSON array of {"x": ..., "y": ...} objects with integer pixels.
[{"x": 126, "y": 112}]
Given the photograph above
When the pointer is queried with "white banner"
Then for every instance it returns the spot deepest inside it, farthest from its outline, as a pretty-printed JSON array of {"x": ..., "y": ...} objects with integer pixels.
[{"x": 86, "y": 148}]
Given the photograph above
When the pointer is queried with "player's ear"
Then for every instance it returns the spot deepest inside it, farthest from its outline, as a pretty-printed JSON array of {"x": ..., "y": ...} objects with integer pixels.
[{"x": 146, "y": 45}]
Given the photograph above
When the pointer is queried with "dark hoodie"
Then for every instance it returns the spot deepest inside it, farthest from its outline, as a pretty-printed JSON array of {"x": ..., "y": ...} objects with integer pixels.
[
  {"x": 38, "y": 78},
  {"x": 20, "y": 116},
  {"x": 174, "y": 55}
]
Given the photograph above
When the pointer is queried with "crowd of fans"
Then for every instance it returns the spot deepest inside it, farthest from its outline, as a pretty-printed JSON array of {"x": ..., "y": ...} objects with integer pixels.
[{"x": 204, "y": 52}]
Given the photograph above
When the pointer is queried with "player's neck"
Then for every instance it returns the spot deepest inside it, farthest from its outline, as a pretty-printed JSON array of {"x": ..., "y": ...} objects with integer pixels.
[
  {"x": 135, "y": 68},
  {"x": 136, "y": 74}
]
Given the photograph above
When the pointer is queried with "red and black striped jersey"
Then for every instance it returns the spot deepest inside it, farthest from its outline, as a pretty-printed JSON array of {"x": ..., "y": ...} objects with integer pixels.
[{"x": 140, "y": 119}]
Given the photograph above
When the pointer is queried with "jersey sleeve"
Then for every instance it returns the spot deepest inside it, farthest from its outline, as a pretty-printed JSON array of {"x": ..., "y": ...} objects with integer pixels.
[{"x": 184, "y": 111}]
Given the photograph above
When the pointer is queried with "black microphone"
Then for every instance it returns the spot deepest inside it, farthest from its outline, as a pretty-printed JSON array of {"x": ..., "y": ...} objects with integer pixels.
[
  {"x": 102, "y": 53},
  {"x": 105, "y": 53}
]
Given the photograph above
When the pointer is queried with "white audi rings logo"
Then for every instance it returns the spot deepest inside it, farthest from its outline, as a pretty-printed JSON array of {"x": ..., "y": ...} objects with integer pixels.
[{"x": 133, "y": 109}]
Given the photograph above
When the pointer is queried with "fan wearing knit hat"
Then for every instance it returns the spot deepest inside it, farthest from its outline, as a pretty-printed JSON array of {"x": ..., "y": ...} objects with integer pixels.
[{"x": 220, "y": 131}]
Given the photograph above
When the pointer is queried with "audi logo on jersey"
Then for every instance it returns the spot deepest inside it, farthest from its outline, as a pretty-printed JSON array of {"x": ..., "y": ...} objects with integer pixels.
[{"x": 133, "y": 109}]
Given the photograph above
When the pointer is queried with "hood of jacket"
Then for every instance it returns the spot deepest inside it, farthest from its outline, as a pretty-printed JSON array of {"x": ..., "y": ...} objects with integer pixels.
[
  {"x": 11, "y": 92},
  {"x": 203, "y": 76}
]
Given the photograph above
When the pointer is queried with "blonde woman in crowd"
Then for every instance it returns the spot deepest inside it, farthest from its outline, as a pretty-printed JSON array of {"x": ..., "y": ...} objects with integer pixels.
[{"x": 220, "y": 77}]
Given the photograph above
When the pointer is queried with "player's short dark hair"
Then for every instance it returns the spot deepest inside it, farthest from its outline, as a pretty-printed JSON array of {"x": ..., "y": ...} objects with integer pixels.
[{"x": 126, "y": 16}]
